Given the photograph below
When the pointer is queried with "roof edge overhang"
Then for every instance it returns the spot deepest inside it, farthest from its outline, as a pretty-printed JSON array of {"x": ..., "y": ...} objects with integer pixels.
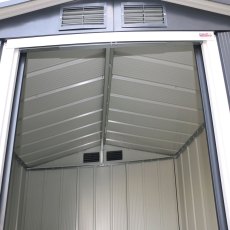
[
  {"x": 205, "y": 5},
  {"x": 27, "y": 7}
]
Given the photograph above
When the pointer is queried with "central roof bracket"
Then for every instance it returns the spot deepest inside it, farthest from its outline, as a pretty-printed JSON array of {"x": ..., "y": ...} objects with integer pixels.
[{"x": 106, "y": 98}]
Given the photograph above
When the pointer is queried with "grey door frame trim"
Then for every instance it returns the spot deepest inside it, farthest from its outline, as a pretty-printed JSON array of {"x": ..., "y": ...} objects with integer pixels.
[{"x": 213, "y": 158}]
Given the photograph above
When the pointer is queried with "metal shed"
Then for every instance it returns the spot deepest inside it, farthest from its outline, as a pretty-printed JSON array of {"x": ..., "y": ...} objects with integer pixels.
[{"x": 115, "y": 126}]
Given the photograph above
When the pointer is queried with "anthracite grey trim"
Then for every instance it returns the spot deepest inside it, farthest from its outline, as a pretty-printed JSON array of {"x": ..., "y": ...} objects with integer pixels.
[
  {"x": 11, "y": 138},
  {"x": 1, "y": 47},
  {"x": 222, "y": 1},
  {"x": 12, "y": 3},
  {"x": 215, "y": 172},
  {"x": 223, "y": 39},
  {"x": 179, "y": 18}
]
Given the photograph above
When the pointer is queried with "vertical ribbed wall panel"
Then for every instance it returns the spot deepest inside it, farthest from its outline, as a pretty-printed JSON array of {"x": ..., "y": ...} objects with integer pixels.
[
  {"x": 223, "y": 39},
  {"x": 51, "y": 200},
  {"x": 15, "y": 200},
  {"x": 135, "y": 197},
  {"x": 86, "y": 199},
  {"x": 151, "y": 194},
  {"x": 168, "y": 201},
  {"x": 34, "y": 201},
  {"x": 195, "y": 192},
  {"x": 68, "y": 200},
  {"x": 103, "y": 191},
  {"x": 121, "y": 197}
]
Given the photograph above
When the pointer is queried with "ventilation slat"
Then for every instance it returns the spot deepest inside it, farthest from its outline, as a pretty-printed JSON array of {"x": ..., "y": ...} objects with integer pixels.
[
  {"x": 143, "y": 14},
  {"x": 83, "y": 17}
]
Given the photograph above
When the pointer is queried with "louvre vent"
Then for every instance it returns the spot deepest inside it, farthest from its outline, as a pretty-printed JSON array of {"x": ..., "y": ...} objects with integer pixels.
[
  {"x": 114, "y": 155},
  {"x": 90, "y": 157},
  {"x": 143, "y": 15},
  {"x": 83, "y": 17}
]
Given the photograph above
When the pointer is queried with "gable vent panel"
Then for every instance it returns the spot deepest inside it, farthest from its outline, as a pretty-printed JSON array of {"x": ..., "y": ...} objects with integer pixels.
[
  {"x": 83, "y": 17},
  {"x": 143, "y": 15}
]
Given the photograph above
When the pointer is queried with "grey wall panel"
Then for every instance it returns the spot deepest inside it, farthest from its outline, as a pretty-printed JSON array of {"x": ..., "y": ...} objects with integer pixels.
[
  {"x": 34, "y": 201},
  {"x": 151, "y": 195},
  {"x": 120, "y": 197},
  {"x": 180, "y": 194},
  {"x": 86, "y": 199},
  {"x": 195, "y": 192},
  {"x": 15, "y": 196},
  {"x": 68, "y": 199},
  {"x": 167, "y": 188},
  {"x": 223, "y": 39},
  {"x": 51, "y": 200},
  {"x": 135, "y": 197},
  {"x": 103, "y": 193}
]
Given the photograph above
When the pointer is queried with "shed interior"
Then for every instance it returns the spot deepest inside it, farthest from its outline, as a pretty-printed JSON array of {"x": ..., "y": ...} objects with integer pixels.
[{"x": 139, "y": 100}]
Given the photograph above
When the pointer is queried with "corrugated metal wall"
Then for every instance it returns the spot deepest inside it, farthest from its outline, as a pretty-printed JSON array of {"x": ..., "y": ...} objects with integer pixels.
[
  {"x": 133, "y": 196},
  {"x": 15, "y": 201},
  {"x": 194, "y": 188},
  {"x": 223, "y": 39}
]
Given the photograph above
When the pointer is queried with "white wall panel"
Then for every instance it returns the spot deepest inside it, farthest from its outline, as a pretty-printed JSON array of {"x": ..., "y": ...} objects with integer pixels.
[{"x": 195, "y": 192}]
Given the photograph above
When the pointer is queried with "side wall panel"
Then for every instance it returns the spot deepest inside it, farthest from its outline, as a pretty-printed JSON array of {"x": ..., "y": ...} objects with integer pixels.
[
  {"x": 125, "y": 197},
  {"x": 195, "y": 192},
  {"x": 15, "y": 197},
  {"x": 223, "y": 39}
]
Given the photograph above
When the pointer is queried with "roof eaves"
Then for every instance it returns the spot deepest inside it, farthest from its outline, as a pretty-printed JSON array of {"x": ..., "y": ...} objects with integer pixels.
[
  {"x": 28, "y": 6},
  {"x": 214, "y": 7}
]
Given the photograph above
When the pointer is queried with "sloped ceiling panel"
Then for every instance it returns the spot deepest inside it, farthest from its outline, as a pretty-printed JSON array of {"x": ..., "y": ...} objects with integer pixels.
[
  {"x": 154, "y": 90},
  {"x": 153, "y": 105},
  {"x": 61, "y": 109}
]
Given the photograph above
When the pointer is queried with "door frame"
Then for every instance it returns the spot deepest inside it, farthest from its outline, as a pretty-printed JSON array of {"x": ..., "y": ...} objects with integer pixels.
[{"x": 218, "y": 99}]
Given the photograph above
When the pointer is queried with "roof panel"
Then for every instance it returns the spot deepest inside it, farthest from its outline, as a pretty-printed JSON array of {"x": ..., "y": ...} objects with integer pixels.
[
  {"x": 63, "y": 75},
  {"x": 63, "y": 113},
  {"x": 153, "y": 103},
  {"x": 147, "y": 131},
  {"x": 158, "y": 71},
  {"x": 150, "y": 108},
  {"x": 63, "y": 137},
  {"x": 152, "y": 122},
  {"x": 77, "y": 122},
  {"x": 189, "y": 99},
  {"x": 57, "y": 99}
]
